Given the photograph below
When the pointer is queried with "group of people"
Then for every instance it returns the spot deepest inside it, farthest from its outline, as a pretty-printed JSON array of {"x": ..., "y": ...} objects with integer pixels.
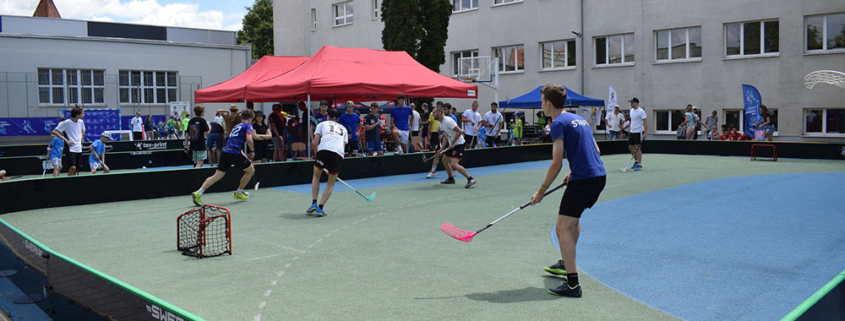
[{"x": 71, "y": 132}]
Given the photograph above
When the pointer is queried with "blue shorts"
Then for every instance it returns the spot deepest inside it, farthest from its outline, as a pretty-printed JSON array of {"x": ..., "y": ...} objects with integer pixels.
[
  {"x": 215, "y": 140},
  {"x": 374, "y": 146},
  {"x": 769, "y": 129}
]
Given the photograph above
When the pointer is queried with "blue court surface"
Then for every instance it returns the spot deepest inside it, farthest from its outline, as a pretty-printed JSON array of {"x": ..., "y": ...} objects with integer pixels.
[{"x": 740, "y": 248}]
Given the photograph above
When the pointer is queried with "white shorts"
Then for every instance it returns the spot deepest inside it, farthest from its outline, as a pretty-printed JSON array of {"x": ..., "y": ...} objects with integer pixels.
[
  {"x": 57, "y": 162},
  {"x": 403, "y": 137},
  {"x": 95, "y": 165}
]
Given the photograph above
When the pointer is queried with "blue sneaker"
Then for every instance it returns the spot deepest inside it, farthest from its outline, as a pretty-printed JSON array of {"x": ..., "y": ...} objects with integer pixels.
[
  {"x": 565, "y": 290},
  {"x": 634, "y": 166},
  {"x": 639, "y": 167},
  {"x": 320, "y": 212},
  {"x": 312, "y": 209}
]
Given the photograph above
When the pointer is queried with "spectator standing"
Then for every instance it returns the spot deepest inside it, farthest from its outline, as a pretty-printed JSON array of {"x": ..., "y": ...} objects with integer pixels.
[
  {"x": 711, "y": 122},
  {"x": 161, "y": 130},
  {"x": 54, "y": 153},
  {"x": 517, "y": 128},
  {"x": 262, "y": 146},
  {"x": 698, "y": 123},
  {"x": 149, "y": 128},
  {"x": 425, "y": 124},
  {"x": 373, "y": 126},
  {"x": 614, "y": 123},
  {"x": 470, "y": 121},
  {"x": 766, "y": 123},
  {"x": 689, "y": 122},
  {"x": 137, "y": 126},
  {"x": 400, "y": 119},
  {"x": 415, "y": 128},
  {"x": 434, "y": 139},
  {"x": 97, "y": 158},
  {"x": 493, "y": 120},
  {"x": 75, "y": 130},
  {"x": 638, "y": 132},
  {"x": 329, "y": 140},
  {"x": 626, "y": 127},
  {"x": 195, "y": 136},
  {"x": 171, "y": 127},
  {"x": 215, "y": 140},
  {"x": 350, "y": 121},
  {"x": 321, "y": 114},
  {"x": 278, "y": 120},
  {"x": 230, "y": 118}
]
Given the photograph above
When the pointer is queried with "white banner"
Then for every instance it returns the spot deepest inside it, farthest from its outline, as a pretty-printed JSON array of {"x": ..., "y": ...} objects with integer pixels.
[
  {"x": 179, "y": 108},
  {"x": 611, "y": 98}
]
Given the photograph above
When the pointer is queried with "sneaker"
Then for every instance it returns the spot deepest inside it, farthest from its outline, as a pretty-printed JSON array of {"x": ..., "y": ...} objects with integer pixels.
[
  {"x": 241, "y": 196},
  {"x": 634, "y": 166},
  {"x": 320, "y": 212},
  {"x": 470, "y": 183},
  {"x": 565, "y": 290},
  {"x": 449, "y": 180},
  {"x": 197, "y": 198},
  {"x": 639, "y": 167},
  {"x": 431, "y": 175},
  {"x": 556, "y": 269},
  {"x": 399, "y": 150},
  {"x": 312, "y": 209}
]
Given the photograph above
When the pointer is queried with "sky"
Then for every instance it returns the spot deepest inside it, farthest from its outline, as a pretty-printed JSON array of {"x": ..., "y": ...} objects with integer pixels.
[{"x": 205, "y": 14}]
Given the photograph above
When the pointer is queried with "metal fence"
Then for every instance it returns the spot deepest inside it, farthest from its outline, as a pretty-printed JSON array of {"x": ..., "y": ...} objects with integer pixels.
[{"x": 19, "y": 96}]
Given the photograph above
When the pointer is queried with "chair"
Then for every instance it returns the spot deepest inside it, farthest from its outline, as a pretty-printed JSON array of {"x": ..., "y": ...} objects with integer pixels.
[
  {"x": 418, "y": 144},
  {"x": 298, "y": 150}
]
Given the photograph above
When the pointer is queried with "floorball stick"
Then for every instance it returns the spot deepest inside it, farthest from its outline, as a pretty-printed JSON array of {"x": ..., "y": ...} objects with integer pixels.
[
  {"x": 368, "y": 198},
  {"x": 625, "y": 169}
]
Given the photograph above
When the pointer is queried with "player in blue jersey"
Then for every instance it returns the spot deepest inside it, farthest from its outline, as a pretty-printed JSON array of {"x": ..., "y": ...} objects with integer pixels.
[
  {"x": 54, "y": 153},
  {"x": 233, "y": 154},
  {"x": 571, "y": 136},
  {"x": 351, "y": 121},
  {"x": 98, "y": 154}
]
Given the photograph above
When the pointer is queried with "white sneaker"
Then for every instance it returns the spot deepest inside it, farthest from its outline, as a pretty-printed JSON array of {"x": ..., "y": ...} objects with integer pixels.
[
  {"x": 399, "y": 150},
  {"x": 431, "y": 175}
]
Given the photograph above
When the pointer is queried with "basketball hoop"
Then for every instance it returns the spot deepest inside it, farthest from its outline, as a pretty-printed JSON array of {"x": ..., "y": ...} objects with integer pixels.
[
  {"x": 831, "y": 77},
  {"x": 482, "y": 70}
]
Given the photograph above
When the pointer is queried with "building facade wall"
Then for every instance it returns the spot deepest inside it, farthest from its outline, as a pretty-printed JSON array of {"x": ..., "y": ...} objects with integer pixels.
[{"x": 713, "y": 82}]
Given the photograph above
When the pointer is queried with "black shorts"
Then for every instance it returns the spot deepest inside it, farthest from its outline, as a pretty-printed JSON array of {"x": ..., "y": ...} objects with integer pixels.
[
  {"x": 328, "y": 160},
  {"x": 580, "y": 195},
  {"x": 137, "y": 136},
  {"x": 435, "y": 141},
  {"x": 456, "y": 152},
  {"x": 415, "y": 133},
  {"x": 635, "y": 139},
  {"x": 351, "y": 147},
  {"x": 75, "y": 160},
  {"x": 229, "y": 159},
  {"x": 491, "y": 140}
]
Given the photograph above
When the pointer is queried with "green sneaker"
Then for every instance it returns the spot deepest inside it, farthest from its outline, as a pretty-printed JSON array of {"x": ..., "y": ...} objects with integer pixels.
[
  {"x": 197, "y": 198},
  {"x": 241, "y": 196},
  {"x": 556, "y": 269}
]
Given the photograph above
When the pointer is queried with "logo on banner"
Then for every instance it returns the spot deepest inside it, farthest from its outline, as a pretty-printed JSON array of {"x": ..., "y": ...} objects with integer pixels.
[
  {"x": 471, "y": 93},
  {"x": 161, "y": 314},
  {"x": 3, "y": 125},
  {"x": 151, "y": 146}
]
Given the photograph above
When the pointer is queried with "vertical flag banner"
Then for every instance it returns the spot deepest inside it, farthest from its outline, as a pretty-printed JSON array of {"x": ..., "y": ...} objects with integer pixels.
[
  {"x": 611, "y": 102},
  {"x": 752, "y": 100}
]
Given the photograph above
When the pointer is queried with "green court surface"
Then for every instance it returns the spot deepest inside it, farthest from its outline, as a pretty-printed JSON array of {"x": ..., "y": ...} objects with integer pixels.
[{"x": 383, "y": 260}]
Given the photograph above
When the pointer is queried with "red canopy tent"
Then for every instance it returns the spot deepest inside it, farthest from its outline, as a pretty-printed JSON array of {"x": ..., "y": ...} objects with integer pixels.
[
  {"x": 234, "y": 90},
  {"x": 359, "y": 74}
]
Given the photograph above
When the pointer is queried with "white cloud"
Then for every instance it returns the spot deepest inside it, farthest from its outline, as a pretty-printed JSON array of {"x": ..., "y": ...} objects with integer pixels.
[
  {"x": 17, "y": 7},
  {"x": 105, "y": 19},
  {"x": 235, "y": 27}
]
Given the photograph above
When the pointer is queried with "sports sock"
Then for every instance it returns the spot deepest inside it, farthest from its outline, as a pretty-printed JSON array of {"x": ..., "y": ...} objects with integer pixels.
[
  {"x": 202, "y": 190},
  {"x": 313, "y": 201},
  {"x": 469, "y": 178},
  {"x": 433, "y": 168},
  {"x": 240, "y": 191},
  {"x": 321, "y": 206},
  {"x": 572, "y": 279}
]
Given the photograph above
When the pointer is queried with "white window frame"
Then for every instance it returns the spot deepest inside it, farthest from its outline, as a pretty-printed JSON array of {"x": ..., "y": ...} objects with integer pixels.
[
  {"x": 472, "y": 53},
  {"x": 347, "y": 18},
  {"x": 742, "y": 54},
  {"x": 823, "y": 133},
  {"x": 671, "y": 121},
  {"x": 688, "y": 46},
  {"x": 78, "y": 86},
  {"x": 376, "y": 9},
  {"x": 141, "y": 90},
  {"x": 607, "y": 50},
  {"x": 566, "y": 65},
  {"x": 313, "y": 19},
  {"x": 498, "y": 3},
  {"x": 824, "y": 34},
  {"x": 502, "y": 62},
  {"x": 459, "y": 4},
  {"x": 742, "y": 119}
]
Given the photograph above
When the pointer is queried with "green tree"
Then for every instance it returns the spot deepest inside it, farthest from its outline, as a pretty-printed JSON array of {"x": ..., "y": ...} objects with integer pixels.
[
  {"x": 418, "y": 27},
  {"x": 258, "y": 28}
]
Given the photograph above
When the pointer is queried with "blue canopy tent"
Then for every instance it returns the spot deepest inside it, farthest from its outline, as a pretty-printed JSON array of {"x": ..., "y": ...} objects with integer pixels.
[{"x": 531, "y": 100}]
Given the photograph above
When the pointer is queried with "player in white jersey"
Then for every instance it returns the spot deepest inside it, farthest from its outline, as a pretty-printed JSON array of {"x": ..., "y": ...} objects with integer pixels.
[
  {"x": 456, "y": 141},
  {"x": 330, "y": 138}
]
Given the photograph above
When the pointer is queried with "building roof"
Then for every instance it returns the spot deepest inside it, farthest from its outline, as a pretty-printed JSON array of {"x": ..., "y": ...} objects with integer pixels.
[{"x": 46, "y": 9}]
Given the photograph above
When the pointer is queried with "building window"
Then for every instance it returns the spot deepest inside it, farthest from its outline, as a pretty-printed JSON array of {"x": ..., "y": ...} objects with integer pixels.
[
  {"x": 735, "y": 118},
  {"x": 824, "y": 121},
  {"x": 616, "y": 49},
  {"x": 678, "y": 44},
  {"x": 456, "y": 60},
  {"x": 313, "y": 19},
  {"x": 343, "y": 13},
  {"x": 668, "y": 121},
  {"x": 464, "y": 5},
  {"x": 752, "y": 38},
  {"x": 511, "y": 58},
  {"x": 557, "y": 54},
  {"x": 375, "y": 9},
  {"x": 147, "y": 87},
  {"x": 71, "y": 86},
  {"x": 498, "y": 2},
  {"x": 825, "y": 32}
]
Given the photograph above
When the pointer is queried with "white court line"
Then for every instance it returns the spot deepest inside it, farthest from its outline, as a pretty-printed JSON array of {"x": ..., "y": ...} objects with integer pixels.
[
  {"x": 257, "y": 317},
  {"x": 280, "y": 274},
  {"x": 318, "y": 241},
  {"x": 262, "y": 304},
  {"x": 271, "y": 243},
  {"x": 295, "y": 258},
  {"x": 330, "y": 234},
  {"x": 274, "y": 282},
  {"x": 264, "y": 257},
  {"x": 287, "y": 265},
  {"x": 267, "y": 293}
]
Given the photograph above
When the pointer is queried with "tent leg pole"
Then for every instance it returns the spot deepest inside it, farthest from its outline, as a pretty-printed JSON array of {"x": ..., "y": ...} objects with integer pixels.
[{"x": 308, "y": 119}]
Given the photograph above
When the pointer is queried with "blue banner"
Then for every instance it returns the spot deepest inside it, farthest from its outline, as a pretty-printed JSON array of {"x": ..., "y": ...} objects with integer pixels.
[
  {"x": 752, "y": 100},
  {"x": 98, "y": 120},
  {"x": 127, "y": 120},
  {"x": 29, "y": 126}
]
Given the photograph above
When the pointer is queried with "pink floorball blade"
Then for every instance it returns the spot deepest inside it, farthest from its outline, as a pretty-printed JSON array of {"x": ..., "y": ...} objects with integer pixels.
[{"x": 456, "y": 233}]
